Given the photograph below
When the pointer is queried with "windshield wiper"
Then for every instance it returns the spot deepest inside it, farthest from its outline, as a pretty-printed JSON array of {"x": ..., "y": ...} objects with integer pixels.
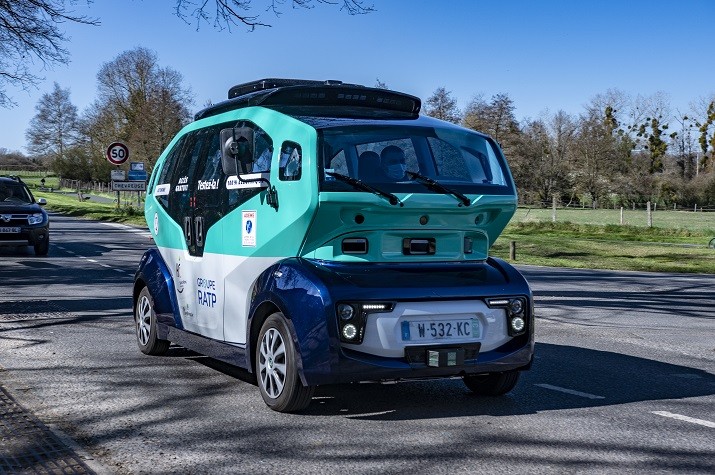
[
  {"x": 394, "y": 200},
  {"x": 430, "y": 183}
]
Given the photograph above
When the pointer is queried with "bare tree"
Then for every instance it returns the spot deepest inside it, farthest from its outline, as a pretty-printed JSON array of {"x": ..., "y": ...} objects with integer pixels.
[
  {"x": 495, "y": 118},
  {"x": 30, "y": 40},
  {"x": 441, "y": 105},
  {"x": 55, "y": 126},
  {"x": 225, "y": 14},
  {"x": 595, "y": 161},
  {"x": 541, "y": 160},
  {"x": 140, "y": 103}
]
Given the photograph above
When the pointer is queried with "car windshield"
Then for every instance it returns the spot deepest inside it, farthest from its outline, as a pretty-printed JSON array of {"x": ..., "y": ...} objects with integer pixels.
[
  {"x": 13, "y": 193},
  {"x": 411, "y": 159}
]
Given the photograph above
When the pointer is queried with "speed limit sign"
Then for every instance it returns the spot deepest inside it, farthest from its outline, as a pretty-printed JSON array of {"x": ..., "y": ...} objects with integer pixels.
[{"x": 117, "y": 153}]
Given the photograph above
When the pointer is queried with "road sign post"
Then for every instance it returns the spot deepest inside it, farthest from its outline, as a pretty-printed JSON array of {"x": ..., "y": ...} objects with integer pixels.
[{"x": 117, "y": 153}]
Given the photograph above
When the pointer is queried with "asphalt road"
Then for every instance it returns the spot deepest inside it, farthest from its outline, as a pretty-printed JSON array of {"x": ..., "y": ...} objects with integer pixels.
[{"x": 623, "y": 381}]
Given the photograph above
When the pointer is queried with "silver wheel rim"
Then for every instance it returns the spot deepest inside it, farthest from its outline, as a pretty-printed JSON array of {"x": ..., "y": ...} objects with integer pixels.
[
  {"x": 272, "y": 363},
  {"x": 143, "y": 320}
]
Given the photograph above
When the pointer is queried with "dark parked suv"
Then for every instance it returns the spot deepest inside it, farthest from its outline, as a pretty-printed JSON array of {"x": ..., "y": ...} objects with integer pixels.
[{"x": 22, "y": 220}]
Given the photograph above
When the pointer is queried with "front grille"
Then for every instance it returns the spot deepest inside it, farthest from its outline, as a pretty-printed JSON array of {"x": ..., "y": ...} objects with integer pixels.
[{"x": 13, "y": 220}]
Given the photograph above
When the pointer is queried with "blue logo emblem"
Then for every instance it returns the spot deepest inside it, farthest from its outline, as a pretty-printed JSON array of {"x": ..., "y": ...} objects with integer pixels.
[{"x": 249, "y": 226}]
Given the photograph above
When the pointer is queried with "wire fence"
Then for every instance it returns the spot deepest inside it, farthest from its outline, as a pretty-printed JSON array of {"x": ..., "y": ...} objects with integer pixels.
[{"x": 702, "y": 221}]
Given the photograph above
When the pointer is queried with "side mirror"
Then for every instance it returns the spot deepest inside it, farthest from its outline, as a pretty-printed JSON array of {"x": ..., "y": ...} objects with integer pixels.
[
  {"x": 228, "y": 159},
  {"x": 42, "y": 202},
  {"x": 237, "y": 147}
]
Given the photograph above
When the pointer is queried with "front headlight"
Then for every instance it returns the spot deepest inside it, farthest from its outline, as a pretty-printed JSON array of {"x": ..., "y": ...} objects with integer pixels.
[
  {"x": 352, "y": 317},
  {"x": 36, "y": 218}
]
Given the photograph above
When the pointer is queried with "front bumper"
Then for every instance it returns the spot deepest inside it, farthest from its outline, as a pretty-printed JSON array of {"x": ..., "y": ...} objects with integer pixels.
[
  {"x": 28, "y": 236},
  {"x": 354, "y": 366}
]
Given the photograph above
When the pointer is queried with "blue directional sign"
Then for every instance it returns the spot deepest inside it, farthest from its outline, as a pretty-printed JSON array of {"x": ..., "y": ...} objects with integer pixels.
[{"x": 136, "y": 175}]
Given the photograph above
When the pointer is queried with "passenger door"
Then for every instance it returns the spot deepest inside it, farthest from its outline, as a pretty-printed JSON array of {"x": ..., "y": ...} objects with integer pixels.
[{"x": 197, "y": 294}]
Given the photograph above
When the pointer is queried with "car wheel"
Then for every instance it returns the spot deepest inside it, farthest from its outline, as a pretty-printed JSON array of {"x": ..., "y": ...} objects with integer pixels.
[
  {"x": 42, "y": 247},
  {"x": 493, "y": 384},
  {"x": 145, "y": 320},
  {"x": 276, "y": 368}
]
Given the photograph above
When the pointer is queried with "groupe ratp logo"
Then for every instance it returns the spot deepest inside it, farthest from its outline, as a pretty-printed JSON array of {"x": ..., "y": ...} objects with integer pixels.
[{"x": 249, "y": 226}]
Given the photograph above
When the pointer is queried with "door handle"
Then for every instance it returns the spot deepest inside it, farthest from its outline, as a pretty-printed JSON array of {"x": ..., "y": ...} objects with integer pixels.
[
  {"x": 187, "y": 230},
  {"x": 199, "y": 228}
]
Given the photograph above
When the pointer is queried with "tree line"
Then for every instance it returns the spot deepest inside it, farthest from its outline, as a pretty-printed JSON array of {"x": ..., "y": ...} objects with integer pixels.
[{"x": 620, "y": 151}]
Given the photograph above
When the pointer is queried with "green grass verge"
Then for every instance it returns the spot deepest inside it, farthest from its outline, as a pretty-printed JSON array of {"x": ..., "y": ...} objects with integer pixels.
[
  {"x": 608, "y": 247},
  {"x": 70, "y": 205}
]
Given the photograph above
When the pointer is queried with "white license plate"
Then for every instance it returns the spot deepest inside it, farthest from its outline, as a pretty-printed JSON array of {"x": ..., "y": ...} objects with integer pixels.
[
  {"x": 9, "y": 230},
  {"x": 424, "y": 330}
]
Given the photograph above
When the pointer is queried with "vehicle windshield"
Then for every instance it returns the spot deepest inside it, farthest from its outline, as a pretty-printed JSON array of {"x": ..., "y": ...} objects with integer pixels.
[
  {"x": 405, "y": 158},
  {"x": 13, "y": 193}
]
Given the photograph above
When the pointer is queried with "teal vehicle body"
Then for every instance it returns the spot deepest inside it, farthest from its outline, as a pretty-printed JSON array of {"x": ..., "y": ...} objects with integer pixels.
[{"x": 320, "y": 232}]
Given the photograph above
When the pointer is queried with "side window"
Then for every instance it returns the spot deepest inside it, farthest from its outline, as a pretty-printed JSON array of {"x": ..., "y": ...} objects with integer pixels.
[
  {"x": 211, "y": 182},
  {"x": 183, "y": 179},
  {"x": 262, "y": 150},
  {"x": 291, "y": 163},
  {"x": 161, "y": 193}
]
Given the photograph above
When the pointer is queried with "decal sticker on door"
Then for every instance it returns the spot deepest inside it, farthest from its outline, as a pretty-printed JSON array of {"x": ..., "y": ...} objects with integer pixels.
[{"x": 248, "y": 233}]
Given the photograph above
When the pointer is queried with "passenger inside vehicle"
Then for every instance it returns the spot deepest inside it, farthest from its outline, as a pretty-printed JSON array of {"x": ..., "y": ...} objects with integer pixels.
[
  {"x": 392, "y": 163},
  {"x": 369, "y": 167}
]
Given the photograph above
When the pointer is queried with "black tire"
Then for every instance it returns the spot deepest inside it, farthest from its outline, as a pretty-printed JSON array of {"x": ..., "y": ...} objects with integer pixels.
[
  {"x": 146, "y": 327},
  {"x": 493, "y": 384},
  {"x": 277, "y": 369},
  {"x": 42, "y": 247}
]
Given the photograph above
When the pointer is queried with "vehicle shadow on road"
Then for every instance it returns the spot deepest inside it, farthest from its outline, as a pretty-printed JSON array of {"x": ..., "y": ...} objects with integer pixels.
[{"x": 605, "y": 378}]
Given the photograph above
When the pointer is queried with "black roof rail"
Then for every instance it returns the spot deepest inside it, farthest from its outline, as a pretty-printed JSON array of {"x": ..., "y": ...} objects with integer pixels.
[
  {"x": 272, "y": 83},
  {"x": 342, "y": 99}
]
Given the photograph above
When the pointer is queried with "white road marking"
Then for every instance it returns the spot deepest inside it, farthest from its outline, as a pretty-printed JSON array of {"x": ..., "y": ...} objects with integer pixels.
[
  {"x": 681, "y": 417},
  {"x": 94, "y": 261},
  {"x": 129, "y": 228},
  {"x": 569, "y": 391}
]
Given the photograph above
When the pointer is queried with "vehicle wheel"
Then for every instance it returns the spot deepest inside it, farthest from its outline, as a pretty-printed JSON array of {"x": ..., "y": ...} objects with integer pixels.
[
  {"x": 146, "y": 326},
  {"x": 42, "y": 247},
  {"x": 494, "y": 384},
  {"x": 277, "y": 370}
]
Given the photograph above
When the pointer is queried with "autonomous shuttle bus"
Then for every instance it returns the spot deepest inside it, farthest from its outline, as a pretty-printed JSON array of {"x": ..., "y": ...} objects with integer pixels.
[{"x": 316, "y": 232}]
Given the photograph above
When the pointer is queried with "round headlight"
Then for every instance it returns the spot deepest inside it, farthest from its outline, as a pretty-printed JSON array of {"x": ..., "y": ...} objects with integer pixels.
[
  {"x": 517, "y": 324},
  {"x": 516, "y": 306},
  {"x": 349, "y": 331},
  {"x": 345, "y": 311}
]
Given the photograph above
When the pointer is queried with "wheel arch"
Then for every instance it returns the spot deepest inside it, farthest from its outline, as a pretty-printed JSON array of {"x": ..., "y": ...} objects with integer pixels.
[
  {"x": 156, "y": 276},
  {"x": 305, "y": 308}
]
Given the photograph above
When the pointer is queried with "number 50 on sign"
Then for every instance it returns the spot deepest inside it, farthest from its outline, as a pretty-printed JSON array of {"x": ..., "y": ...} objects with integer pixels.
[{"x": 117, "y": 153}]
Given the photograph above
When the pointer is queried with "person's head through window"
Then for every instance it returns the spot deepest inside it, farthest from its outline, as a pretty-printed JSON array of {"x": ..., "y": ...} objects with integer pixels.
[{"x": 392, "y": 161}]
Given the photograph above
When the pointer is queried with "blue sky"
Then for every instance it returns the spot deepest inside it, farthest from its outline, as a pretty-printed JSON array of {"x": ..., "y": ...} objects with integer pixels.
[{"x": 547, "y": 55}]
